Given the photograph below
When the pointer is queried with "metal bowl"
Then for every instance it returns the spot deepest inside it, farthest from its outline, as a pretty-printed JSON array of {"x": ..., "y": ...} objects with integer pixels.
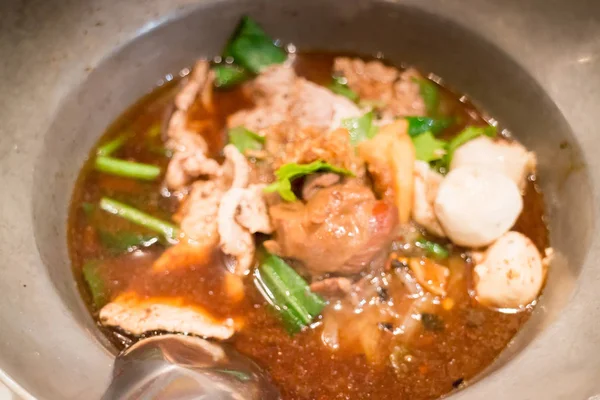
[{"x": 69, "y": 68}]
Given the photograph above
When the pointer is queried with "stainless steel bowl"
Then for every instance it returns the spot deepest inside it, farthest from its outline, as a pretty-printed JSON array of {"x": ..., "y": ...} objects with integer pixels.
[{"x": 68, "y": 68}]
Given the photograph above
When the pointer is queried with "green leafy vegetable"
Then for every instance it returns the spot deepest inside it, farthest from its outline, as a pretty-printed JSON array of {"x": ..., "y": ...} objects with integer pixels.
[
  {"x": 109, "y": 148},
  {"x": 245, "y": 139},
  {"x": 127, "y": 169},
  {"x": 418, "y": 125},
  {"x": 339, "y": 85},
  {"x": 124, "y": 241},
  {"x": 288, "y": 293},
  {"x": 360, "y": 128},
  {"x": 91, "y": 275},
  {"x": 430, "y": 94},
  {"x": 251, "y": 48},
  {"x": 433, "y": 249},
  {"x": 168, "y": 230},
  {"x": 227, "y": 75},
  {"x": 428, "y": 148},
  {"x": 469, "y": 133},
  {"x": 288, "y": 172}
]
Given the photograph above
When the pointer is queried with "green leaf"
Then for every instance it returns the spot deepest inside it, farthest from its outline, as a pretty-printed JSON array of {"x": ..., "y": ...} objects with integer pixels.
[
  {"x": 419, "y": 125},
  {"x": 433, "y": 249},
  {"x": 339, "y": 85},
  {"x": 251, "y": 48},
  {"x": 428, "y": 148},
  {"x": 288, "y": 172},
  {"x": 431, "y": 95},
  {"x": 91, "y": 275},
  {"x": 288, "y": 293},
  {"x": 360, "y": 128},
  {"x": 227, "y": 75},
  {"x": 468, "y": 134},
  {"x": 245, "y": 139},
  {"x": 121, "y": 242}
]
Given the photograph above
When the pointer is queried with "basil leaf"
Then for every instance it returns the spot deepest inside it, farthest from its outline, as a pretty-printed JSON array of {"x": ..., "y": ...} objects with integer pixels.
[
  {"x": 339, "y": 85},
  {"x": 245, "y": 139},
  {"x": 288, "y": 172},
  {"x": 227, "y": 75},
  {"x": 418, "y": 125},
  {"x": 428, "y": 148},
  {"x": 251, "y": 48},
  {"x": 360, "y": 128}
]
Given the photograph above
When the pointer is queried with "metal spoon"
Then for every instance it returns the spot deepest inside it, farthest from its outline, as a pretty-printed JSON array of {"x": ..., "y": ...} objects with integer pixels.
[{"x": 177, "y": 367}]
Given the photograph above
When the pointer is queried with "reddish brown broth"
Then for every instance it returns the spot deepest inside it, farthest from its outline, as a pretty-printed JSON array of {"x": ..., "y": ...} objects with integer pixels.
[{"x": 301, "y": 366}]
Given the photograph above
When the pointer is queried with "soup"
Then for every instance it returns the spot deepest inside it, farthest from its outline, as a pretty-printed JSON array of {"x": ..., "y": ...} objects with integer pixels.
[{"x": 356, "y": 229}]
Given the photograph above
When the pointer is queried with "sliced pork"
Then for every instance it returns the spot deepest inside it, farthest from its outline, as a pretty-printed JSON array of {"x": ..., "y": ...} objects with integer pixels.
[
  {"x": 242, "y": 212},
  {"x": 281, "y": 96},
  {"x": 138, "y": 316},
  {"x": 396, "y": 93}
]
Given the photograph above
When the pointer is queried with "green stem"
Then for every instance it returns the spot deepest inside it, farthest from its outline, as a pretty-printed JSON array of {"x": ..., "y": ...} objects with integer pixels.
[
  {"x": 128, "y": 169},
  {"x": 138, "y": 217},
  {"x": 112, "y": 146}
]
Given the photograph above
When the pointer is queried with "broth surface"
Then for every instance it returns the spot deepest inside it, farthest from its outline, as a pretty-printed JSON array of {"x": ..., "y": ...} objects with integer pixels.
[{"x": 435, "y": 362}]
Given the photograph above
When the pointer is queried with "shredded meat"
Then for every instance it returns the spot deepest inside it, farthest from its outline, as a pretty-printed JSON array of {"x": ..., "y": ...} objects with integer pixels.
[
  {"x": 290, "y": 144},
  {"x": 340, "y": 229},
  {"x": 281, "y": 96},
  {"x": 138, "y": 316},
  {"x": 397, "y": 91}
]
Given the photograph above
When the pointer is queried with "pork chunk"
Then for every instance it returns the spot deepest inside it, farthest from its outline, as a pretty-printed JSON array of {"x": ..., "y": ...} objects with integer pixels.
[{"x": 341, "y": 229}]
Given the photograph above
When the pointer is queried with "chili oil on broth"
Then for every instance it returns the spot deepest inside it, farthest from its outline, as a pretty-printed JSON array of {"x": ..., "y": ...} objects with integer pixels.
[{"x": 437, "y": 361}]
